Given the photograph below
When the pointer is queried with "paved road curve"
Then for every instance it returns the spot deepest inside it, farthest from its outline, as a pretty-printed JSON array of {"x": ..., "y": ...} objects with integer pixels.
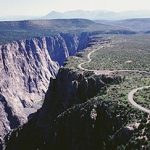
[{"x": 131, "y": 99}]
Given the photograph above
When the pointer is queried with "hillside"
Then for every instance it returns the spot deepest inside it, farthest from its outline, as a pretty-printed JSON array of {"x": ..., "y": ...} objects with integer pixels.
[
  {"x": 137, "y": 24},
  {"x": 17, "y": 30}
]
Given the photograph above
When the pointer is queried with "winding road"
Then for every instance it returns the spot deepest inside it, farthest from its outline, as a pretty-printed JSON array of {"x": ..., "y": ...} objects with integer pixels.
[
  {"x": 107, "y": 72},
  {"x": 97, "y": 72},
  {"x": 131, "y": 99}
]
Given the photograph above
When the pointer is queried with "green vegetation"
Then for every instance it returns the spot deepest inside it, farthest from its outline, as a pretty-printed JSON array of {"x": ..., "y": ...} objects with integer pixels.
[
  {"x": 142, "y": 97},
  {"x": 126, "y": 52}
]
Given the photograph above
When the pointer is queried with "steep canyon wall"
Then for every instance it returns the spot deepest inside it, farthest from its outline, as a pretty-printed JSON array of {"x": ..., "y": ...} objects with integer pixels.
[{"x": 26, "y": 67}]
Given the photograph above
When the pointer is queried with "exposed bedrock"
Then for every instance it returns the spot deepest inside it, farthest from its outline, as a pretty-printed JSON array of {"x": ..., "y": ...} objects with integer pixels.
[{"x": 26, "y": 67}]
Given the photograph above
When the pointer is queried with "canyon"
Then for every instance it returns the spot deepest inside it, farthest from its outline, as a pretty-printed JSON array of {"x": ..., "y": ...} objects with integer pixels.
[
  {"x": 72, "y": 116},
  {"x": 57, "y": 94},
  {"x": 26, "y": 67}
]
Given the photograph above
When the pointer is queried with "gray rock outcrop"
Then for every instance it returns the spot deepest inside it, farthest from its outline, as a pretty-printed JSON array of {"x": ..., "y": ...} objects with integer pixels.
[{"x": 26, "y": 67}]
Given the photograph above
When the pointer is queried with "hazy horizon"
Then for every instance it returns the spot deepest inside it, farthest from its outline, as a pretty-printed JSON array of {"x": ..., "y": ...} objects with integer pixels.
[{"x": 43, "y": 7}]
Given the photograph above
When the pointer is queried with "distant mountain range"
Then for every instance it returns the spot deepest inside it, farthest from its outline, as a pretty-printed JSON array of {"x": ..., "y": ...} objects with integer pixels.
[
  {"x": 98, "y": 15},
  {"x": 92, "y": 15}
]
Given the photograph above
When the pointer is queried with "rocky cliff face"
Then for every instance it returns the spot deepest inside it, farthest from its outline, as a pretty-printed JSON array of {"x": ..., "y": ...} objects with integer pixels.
[
  {"x": 26, "y": 67},
  {"x": 70, "y": 115},
  {"x": 66, "y": 45}
]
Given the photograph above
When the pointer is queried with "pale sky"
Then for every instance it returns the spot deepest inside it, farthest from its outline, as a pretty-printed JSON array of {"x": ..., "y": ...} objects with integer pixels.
[{"x": 42, "y": 7}]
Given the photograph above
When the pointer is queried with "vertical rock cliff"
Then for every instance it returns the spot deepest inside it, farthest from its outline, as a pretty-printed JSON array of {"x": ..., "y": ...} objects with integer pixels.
[{"x": 26, "y": 67}]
